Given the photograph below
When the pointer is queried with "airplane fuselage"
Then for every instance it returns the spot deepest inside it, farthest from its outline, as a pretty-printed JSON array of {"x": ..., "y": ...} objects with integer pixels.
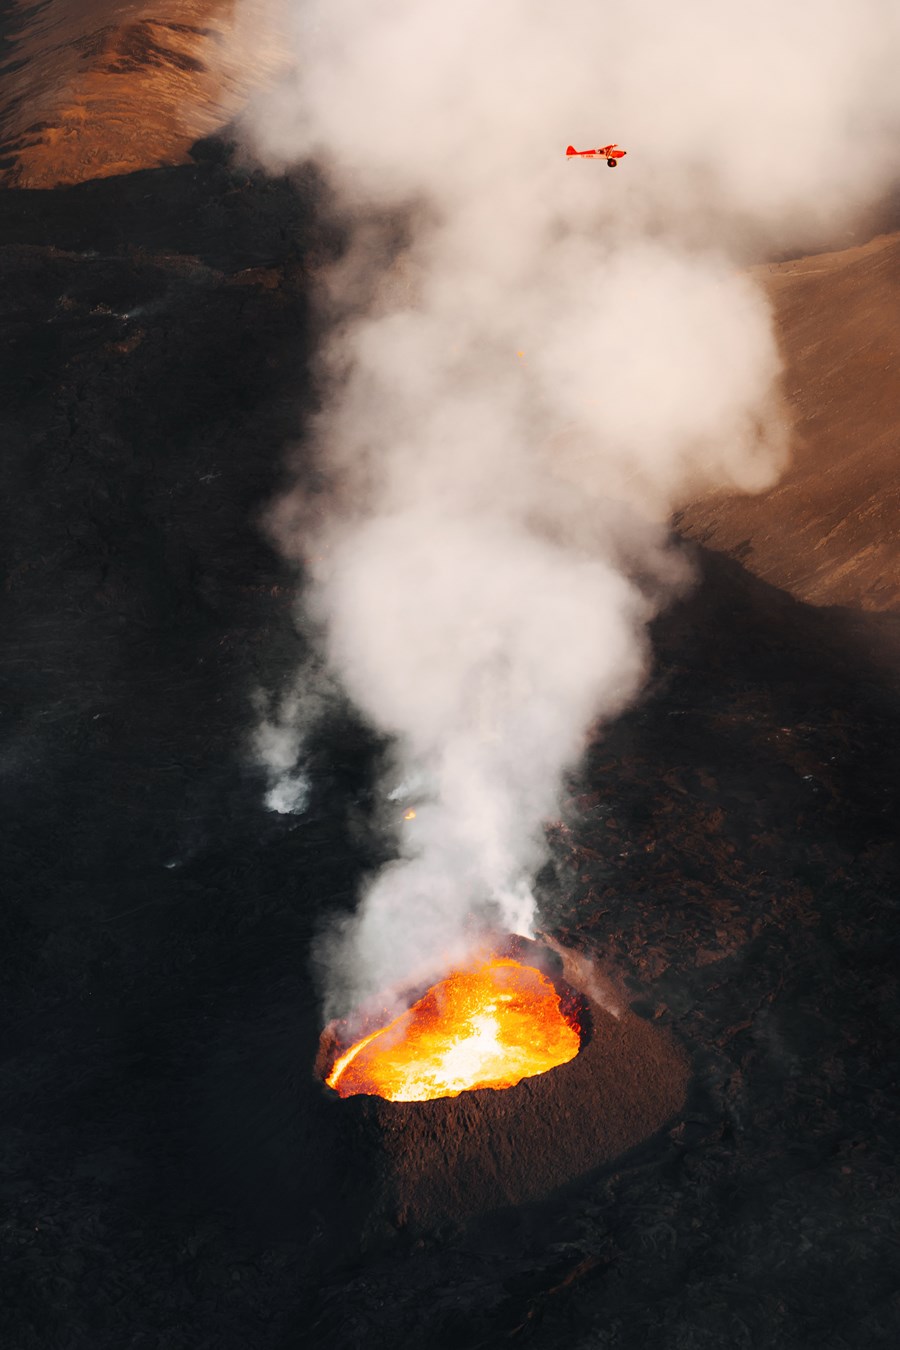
[{"x": 610, "y": 153}]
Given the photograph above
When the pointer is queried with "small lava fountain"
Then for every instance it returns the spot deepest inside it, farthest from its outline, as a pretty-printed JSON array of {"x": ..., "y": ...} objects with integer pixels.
[{"x": 489, "y": 1027}]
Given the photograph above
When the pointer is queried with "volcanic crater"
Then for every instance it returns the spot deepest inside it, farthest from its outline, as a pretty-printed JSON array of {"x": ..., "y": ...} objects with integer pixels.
[{"x": 454, "y": 1158}]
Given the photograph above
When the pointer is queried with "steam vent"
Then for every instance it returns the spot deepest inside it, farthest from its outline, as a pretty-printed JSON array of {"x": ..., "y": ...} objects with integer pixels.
[{"x": 441, "y": 1152}]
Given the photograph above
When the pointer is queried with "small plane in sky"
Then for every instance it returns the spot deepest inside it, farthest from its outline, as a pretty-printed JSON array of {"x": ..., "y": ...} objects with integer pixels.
[{"x": 611, "y": 153}]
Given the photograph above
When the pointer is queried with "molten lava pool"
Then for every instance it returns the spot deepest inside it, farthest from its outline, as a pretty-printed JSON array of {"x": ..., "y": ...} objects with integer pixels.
[{"x": 488, "y": 1027}]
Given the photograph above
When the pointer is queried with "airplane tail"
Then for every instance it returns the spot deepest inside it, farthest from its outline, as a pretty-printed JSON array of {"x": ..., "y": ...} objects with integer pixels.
[{"x": 570, "y": 150}]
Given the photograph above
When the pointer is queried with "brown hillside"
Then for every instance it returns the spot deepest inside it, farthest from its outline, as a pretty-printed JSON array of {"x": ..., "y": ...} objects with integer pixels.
[
  {"x": 99, "y": 88},
  {"x": 829, "y": 531}
]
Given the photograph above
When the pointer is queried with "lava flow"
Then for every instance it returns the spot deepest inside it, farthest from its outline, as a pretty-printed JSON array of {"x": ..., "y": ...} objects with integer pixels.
[{"x": 489, "y": 1027}]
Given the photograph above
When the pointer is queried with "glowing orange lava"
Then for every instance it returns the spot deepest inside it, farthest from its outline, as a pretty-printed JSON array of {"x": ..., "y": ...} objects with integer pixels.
[{"x": 484, "y": 1028}]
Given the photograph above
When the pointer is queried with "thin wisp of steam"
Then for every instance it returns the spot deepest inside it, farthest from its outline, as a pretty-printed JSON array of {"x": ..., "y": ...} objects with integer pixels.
[{"x": 558, "y": 357}]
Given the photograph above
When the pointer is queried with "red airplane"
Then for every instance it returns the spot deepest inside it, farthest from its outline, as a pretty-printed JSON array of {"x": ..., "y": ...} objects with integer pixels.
[{"x": 611, "y": 153}]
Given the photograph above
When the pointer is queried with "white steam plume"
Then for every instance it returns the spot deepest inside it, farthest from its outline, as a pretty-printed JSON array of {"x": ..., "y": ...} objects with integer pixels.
[
  {"x": 561, "y": 355},
  {"x": 277, "y": 743}
]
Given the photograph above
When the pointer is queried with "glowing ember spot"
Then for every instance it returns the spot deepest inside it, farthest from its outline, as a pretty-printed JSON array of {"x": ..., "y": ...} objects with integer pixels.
[
  {"x": 484, "y": 1028},
  {"x": 409, "y": 815}
]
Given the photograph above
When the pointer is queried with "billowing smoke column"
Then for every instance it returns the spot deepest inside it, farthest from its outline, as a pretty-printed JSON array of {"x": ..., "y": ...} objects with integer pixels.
[{"x": 558, "y": 355}]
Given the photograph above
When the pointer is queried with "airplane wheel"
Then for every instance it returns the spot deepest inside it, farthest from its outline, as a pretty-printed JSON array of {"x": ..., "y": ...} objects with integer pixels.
[{"x": 612, "y": 163}]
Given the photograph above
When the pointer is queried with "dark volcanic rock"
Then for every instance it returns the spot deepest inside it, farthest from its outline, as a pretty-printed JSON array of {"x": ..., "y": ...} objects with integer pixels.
[{"x": 727, "y": 854}]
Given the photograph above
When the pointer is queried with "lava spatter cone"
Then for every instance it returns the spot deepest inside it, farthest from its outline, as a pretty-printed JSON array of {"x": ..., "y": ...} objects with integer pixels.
[
  {"x": 488, "y": 1027},
  {"x": 446, "y": 1111}
]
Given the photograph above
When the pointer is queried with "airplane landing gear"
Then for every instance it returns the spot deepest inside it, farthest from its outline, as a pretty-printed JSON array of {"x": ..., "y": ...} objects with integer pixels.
[{"x": 612, "y": 163}]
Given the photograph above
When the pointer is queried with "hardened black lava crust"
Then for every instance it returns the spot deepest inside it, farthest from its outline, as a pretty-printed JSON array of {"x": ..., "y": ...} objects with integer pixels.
[{"x": 174, "y": 1173}]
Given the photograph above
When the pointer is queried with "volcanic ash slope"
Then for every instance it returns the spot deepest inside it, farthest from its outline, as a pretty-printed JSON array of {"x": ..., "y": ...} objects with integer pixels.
[
  {"x": 827, "y": 531},
  {"x": 92, "y": 88}
]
